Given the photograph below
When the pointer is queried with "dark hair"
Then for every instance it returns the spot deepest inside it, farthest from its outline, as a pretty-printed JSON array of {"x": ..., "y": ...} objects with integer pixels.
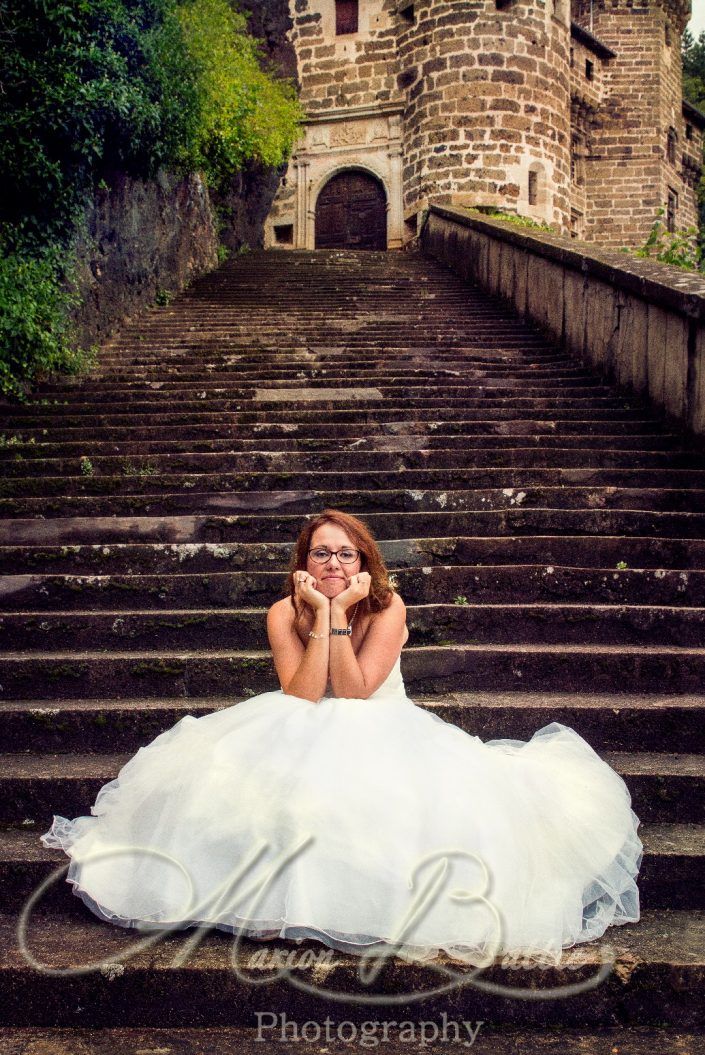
[{"x": 381, "y": 590}]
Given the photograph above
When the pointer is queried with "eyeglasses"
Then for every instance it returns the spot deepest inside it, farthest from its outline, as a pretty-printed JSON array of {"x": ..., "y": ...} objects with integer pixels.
[{"x": 321, "y": 555}]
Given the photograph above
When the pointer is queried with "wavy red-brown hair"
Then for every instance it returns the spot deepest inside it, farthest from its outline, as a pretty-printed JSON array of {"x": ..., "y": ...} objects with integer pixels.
[{"x": 381, "y": 590}]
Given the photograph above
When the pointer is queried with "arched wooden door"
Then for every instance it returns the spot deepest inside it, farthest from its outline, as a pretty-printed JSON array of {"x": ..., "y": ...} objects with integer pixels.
[{"x": 351, "y": 213}]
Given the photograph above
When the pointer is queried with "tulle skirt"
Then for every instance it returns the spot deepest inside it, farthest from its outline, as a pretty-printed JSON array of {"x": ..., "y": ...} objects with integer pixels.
[{"x": 360, "y": 823}]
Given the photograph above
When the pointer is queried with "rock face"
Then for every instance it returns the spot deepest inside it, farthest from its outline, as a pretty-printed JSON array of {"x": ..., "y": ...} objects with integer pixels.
[
  {"x": 545, "y": 530},
  {"x": 141, "y": 236}
]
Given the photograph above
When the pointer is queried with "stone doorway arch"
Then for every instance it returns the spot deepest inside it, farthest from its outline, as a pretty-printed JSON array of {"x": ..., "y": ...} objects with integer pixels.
[{"x": 351, "y": 212}]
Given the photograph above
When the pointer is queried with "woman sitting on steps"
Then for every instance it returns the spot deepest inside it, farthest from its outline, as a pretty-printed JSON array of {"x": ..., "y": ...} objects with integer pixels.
[{"x": 352, "y": 802}]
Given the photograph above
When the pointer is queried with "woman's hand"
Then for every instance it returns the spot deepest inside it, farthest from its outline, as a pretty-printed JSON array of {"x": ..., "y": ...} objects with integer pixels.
[
  {"x": 357, "y": 588},
  {"x": 305, "y": 590}
]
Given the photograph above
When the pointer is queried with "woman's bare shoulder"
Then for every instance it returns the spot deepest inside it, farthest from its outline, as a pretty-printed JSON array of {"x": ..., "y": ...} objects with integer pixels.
[{"x": 282, "y": 612}]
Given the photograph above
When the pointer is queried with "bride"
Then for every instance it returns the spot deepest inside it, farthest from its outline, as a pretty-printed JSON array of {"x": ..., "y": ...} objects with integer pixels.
[{"x": 337, "y": 809}]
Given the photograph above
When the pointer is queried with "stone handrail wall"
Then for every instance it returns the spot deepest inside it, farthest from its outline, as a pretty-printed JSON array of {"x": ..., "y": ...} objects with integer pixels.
[{"x": 639, "y": 322}]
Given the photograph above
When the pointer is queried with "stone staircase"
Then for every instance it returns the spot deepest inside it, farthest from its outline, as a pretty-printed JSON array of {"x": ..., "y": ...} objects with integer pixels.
[{"x": 545, "y": 529}]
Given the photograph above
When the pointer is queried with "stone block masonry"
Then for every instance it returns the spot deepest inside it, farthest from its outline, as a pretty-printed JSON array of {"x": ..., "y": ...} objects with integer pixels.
[
  {"x": 639, "y": 322},
  {"x": 569, "y": 114}
]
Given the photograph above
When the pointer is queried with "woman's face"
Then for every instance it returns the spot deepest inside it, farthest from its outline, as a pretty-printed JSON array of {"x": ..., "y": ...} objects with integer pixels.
[{"x": 332, "y": 576}]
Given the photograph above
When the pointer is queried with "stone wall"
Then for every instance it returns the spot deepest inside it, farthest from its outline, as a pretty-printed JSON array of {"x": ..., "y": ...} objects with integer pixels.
[
  {"x": 511, "y": 103},
  {"x": 641, "y": 323},
  {"x": 630, "y": 174},
  {"x": 140, "y": 236}
]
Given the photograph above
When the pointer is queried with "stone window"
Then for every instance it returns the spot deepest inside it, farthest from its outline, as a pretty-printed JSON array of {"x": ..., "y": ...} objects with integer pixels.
[
  {"x": 577, "y": 155},
  {"x": 345, "y": 16},
  {"x": 533, "y": 188},
  {"x": 667, "y": 37},
  {"x": 407, "y": 13},
  {"x": 671, "y": 210},
  {"x": 688, "y": 131},
  {"x": 572, "y": 58},
  {"x": 577, "y": 224},
  {"x": 284, "y": 233},
  {"x": 502, "y": 5},
  {"x": 589, "y": 70},
  {"x": 671, "y": 145}
]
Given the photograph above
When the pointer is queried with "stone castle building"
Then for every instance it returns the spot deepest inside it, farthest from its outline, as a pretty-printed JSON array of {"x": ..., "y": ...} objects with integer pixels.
[{"x": 569, "y": 115}]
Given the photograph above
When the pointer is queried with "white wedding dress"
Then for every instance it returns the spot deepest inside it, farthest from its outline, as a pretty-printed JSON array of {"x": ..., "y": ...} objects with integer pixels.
[{"x": 332, "y": 820}]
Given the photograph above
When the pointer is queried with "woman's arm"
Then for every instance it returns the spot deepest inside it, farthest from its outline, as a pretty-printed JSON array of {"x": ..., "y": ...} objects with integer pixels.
[
  {"x": 302, "y": 671},
  {"x": 357, "y": 677}
]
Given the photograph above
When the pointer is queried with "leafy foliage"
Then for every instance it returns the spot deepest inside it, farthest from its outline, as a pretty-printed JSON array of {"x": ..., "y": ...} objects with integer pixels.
[
  {"x": 693, "y": 52},
  {"x": 35, "y": 335},
  {"x": 90, "y": 87},
  {"x": 682, "y": 249}
]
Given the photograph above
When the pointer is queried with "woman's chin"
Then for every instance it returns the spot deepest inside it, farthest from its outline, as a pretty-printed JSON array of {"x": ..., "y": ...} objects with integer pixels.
[{"x": 332, "y": 587}]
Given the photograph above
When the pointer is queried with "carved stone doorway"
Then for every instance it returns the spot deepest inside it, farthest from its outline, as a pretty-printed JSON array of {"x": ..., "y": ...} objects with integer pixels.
[{"x": 351, "y": 213}]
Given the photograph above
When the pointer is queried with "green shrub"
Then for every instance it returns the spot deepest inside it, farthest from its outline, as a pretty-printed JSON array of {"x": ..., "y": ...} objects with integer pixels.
[
  {"x": 35, "y": 335},
  {"x": 245, "y": 113},
  {"x": 681, "y": 248},
  {"x": 90, "y": 87}
]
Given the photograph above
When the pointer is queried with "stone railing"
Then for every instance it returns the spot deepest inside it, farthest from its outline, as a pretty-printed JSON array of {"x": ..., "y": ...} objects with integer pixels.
[{"x": 641, "y": 323}]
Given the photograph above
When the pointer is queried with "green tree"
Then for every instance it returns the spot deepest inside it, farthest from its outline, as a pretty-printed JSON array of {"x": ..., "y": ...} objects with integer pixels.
[
  {"x": 694, "y": 91},
  {"x": 90, "y": 87}
]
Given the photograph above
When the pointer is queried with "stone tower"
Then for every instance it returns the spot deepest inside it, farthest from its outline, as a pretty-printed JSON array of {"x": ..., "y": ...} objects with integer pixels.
[
  {"x": 572, "y": 117},
  {"x": 645, "y": 146}
]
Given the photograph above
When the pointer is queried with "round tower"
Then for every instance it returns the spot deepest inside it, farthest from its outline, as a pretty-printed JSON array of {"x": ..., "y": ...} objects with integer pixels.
[{"x": 487, "y": 115}]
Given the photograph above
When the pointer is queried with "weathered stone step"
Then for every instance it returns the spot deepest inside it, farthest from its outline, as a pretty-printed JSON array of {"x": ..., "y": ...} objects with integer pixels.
[
  {"x": 373, "y": 400},
  {"x": 32, "y": 450},
  {"x": 432, "y": 624},
  {"x": 652, "y": 973},
  {"x": 234, "y": 369},
  {"x": 485, "y": 352},
  {"x": 672, "y": 874},
  {"x": 575, "y": 432},
  {"x": 153, "y": 395},
  {"x": 449, "y": 483},
  {"x": 229, "y": 1040},
  {"x": 93, "y": 523},
  {"x": 274, "y": 417},
  {"x": 432, "y": 669},
  {"x": 442, "y": 561},
  {"x": 499, "y": 584},
  {"x": 450, "y": 473},
  {"x": 608, "y": 721},
  {"x": 238, "y": 359}
]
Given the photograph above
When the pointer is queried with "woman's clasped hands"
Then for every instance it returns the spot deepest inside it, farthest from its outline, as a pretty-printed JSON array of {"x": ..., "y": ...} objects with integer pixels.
[{"x": 305, "y": 585}]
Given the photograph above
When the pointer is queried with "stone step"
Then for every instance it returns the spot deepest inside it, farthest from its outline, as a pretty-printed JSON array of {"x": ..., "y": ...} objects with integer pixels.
[
  {"x": 427, "y": 669},
  {"x": 274, "y": 417},
  {"x": 31, "y": 451},
  {"x": 672, "y": 874},
  {"x": 146, "y": 397},
  {"x": 425, "y": 566},
  {"x": 429, "y": 624},
  {"x": 152, "y": 520},
  {"x": 253, "y": 470},
  {"x": 608, "y": 721},
  {"x": 490, "y": 584},
  {"x": 234, "y": 369},
  {"x": 651, "y": 974},
  {"x": 339, "y": 1032}
]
